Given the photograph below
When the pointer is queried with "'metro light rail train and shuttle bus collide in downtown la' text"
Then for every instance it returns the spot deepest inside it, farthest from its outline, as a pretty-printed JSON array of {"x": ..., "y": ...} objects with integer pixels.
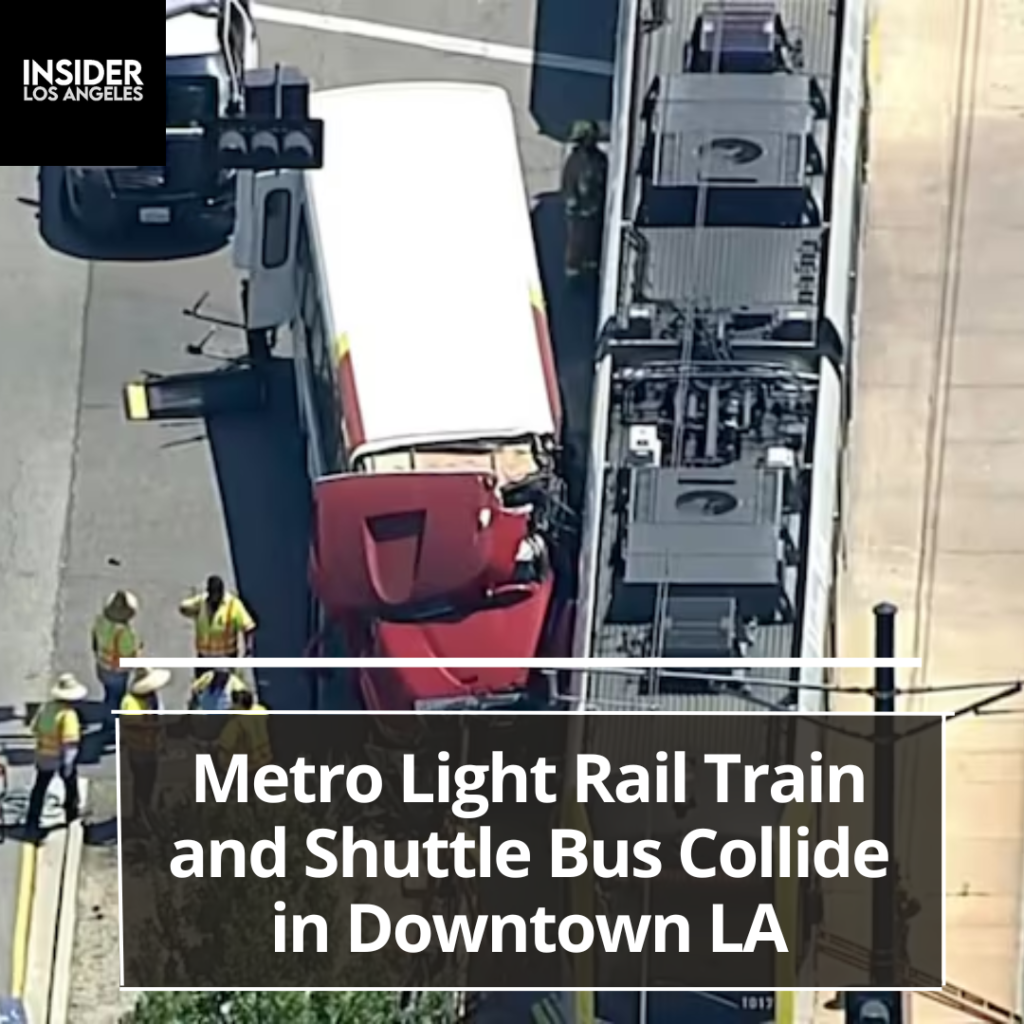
[{"x": 723, "y": 384}]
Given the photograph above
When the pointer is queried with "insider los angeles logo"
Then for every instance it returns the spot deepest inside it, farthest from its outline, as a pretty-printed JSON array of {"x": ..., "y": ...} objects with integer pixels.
[{"x": 96, "y": 81}]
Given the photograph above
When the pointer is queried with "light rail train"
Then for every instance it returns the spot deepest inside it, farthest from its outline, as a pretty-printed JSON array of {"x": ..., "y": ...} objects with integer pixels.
[{"x": 726, "y": 363}]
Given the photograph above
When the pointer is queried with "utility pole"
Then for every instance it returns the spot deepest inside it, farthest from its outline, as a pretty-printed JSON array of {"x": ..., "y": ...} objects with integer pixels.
[{"x": 883, "y": 910}]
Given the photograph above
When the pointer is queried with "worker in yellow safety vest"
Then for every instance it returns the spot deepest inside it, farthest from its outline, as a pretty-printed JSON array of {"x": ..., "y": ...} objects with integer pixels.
[
  {"x": 114, "y": 638},
  {"x": 141, "y": 736},
  {"x": 212, "y": 691},
  {"x": 246, "y": 733},
  {"x": 57, "y": 729},
  {"x": 222, "y": 622}
]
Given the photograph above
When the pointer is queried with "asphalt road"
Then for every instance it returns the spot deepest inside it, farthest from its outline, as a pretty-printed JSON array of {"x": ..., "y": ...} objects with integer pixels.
[
  {"x": 42, "y": 296},
  {"x": 89, "y": 502}
]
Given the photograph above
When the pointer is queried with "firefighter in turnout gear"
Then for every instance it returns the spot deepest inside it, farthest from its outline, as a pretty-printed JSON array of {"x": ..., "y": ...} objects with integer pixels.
[
  {"x": 584, "y": 182},
  {"x": 58, "y": 734},
  {"x": 222, "y": 622},
  {"x": 113, "y": 638},
  {"x": 141, "y": 736}
]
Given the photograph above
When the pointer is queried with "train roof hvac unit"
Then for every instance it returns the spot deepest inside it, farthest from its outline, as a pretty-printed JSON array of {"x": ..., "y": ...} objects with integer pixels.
[
  {"x": 754, "y": 142},
  {"x": 737, "y": 39},
  {"x": 709, "y": 530}
]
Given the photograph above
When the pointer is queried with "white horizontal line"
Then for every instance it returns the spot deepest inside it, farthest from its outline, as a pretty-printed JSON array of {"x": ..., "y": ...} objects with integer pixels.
[
  {"x": 570, "y": 664},
  {"x": 459, "y": 45},
  {"x": 589, "y": 712},
  {"x": 628, "y": 991}
]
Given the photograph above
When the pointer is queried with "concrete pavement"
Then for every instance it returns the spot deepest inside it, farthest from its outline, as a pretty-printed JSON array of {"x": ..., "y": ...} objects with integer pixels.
[
  {"x": 937, "y": 462},
  {"x": 42, "y": 295}
]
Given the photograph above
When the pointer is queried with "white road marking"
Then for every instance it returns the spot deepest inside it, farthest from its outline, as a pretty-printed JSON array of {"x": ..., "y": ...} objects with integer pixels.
[{"x": 429, "y": 40}]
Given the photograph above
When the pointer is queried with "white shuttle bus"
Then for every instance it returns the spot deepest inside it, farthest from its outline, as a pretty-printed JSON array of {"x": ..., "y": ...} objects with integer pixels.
[{"x": 406, "y": 273}]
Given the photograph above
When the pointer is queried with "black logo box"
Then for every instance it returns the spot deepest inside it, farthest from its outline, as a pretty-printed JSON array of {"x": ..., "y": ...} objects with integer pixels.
[
  {"x": 220, "y": 931},
  {"x": 112, "y": 133}
]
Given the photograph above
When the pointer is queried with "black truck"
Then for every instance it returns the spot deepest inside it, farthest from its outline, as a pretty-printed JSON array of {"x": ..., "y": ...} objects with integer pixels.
[{"x": 210, "y": 44}]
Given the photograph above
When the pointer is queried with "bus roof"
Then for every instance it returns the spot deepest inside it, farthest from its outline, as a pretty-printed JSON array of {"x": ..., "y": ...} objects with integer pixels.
[{"x": 422, "y": 223}]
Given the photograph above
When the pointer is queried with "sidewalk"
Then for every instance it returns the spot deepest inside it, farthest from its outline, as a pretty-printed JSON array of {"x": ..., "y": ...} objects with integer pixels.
[
  {"x": 10, "y": 867},
  {"x": 95, "y": 997},
  {"x": 937, "y": 478}
]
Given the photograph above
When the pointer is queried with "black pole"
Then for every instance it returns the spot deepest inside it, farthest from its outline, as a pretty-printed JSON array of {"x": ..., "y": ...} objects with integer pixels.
[{"x": 883, "y": 910}]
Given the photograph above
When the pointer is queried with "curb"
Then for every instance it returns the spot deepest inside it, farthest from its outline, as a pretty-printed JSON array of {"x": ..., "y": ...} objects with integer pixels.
[
  {"x": 23, "y": 919},
  {"x": 45, "y": 921},
  {"x": 60, "y": 980}
]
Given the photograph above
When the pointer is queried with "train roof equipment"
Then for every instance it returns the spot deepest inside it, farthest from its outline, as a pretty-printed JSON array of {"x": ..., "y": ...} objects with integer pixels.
[{"x": 721, "y": 397}]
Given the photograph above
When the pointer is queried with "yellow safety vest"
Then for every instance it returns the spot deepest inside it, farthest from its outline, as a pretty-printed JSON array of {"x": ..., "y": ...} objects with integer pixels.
[
  {"x": 113, "y": 640},
  {"x": 55, "y": 725},
  {"x": 140, "y": 735},
  {"x": 248, "y": 736},
  {"x": 217, "y": 635}
]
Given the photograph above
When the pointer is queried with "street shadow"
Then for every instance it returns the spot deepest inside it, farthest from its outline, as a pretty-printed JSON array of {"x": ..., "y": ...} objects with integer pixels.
[
  {"x": 260, "y": 462},
  {"x": 572, "y": 318},
  {"x": 618, "y": 1007},
  {"x": 100, "y": 833},
  {"x": 63, "y": 236},
  {"x": 665, "y": 1007},
  {"x": 95, "y": 745},
  {"x": 501, "y": 1007},
  {"x": 582, "y": 29},
  {"x": 20, "y": 755}
]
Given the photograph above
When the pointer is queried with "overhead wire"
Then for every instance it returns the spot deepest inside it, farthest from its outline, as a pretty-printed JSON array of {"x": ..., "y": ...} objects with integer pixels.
[{"x": 720, "y": 683}]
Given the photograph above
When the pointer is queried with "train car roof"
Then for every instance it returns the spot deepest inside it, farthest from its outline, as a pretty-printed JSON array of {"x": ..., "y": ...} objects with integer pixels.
[
  {"x": 423, "y": 228},
  {"x": 720, "y": 379}
]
